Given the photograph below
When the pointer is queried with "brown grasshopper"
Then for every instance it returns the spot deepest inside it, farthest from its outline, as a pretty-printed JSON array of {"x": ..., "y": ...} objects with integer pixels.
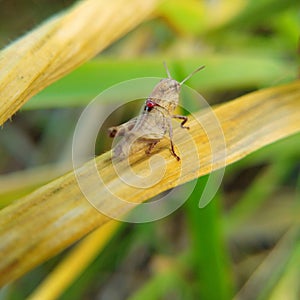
[{"x": 155, "y": 120}]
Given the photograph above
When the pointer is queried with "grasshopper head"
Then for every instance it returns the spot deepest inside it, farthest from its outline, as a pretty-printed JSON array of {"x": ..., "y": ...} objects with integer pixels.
[{"x": 166, "y": 94}]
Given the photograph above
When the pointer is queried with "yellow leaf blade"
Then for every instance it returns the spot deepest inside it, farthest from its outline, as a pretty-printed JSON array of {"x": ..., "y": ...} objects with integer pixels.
[
  {"x": 53, "y": 217},
  {"x": 61, "y": 44}
]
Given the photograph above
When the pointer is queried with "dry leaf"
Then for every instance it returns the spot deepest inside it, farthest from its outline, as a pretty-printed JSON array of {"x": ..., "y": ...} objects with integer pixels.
[
  {"x": 47, "y": 221},
  {"x": 61, "y": 44}
]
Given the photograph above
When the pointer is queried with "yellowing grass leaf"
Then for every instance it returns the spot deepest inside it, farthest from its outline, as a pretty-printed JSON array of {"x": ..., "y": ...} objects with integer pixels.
[
  {"x": 53, "y": 217},
  {"x": 61, "y": 44},
  {"x": 76, "y": 261},
  {"x": 20, "y": 183}
]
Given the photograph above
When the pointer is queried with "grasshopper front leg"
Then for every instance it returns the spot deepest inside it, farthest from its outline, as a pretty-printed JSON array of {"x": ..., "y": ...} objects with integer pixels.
[
  {"x": 184, "y": 118},
  {"x": 170, "y": 128},
  {"x": 122, "y": 129}
]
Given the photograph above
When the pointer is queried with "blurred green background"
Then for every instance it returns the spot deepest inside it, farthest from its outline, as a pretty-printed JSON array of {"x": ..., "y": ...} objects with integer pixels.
[{"x": 246, "y": 240}]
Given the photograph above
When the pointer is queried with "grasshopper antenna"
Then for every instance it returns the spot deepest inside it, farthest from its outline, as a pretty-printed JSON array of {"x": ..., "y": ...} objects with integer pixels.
[
  {"x": 167, "y": 70},
  {"x": 193, "y": 73}
]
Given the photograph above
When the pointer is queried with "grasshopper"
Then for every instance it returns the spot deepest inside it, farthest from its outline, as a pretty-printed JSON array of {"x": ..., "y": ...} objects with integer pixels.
[{"x": 147, "y": 129}]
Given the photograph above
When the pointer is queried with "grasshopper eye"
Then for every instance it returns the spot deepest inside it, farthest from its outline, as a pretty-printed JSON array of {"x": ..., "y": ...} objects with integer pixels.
[
  {"x": 147, "y": 108},
  {"x": 149, "y": 105}
]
